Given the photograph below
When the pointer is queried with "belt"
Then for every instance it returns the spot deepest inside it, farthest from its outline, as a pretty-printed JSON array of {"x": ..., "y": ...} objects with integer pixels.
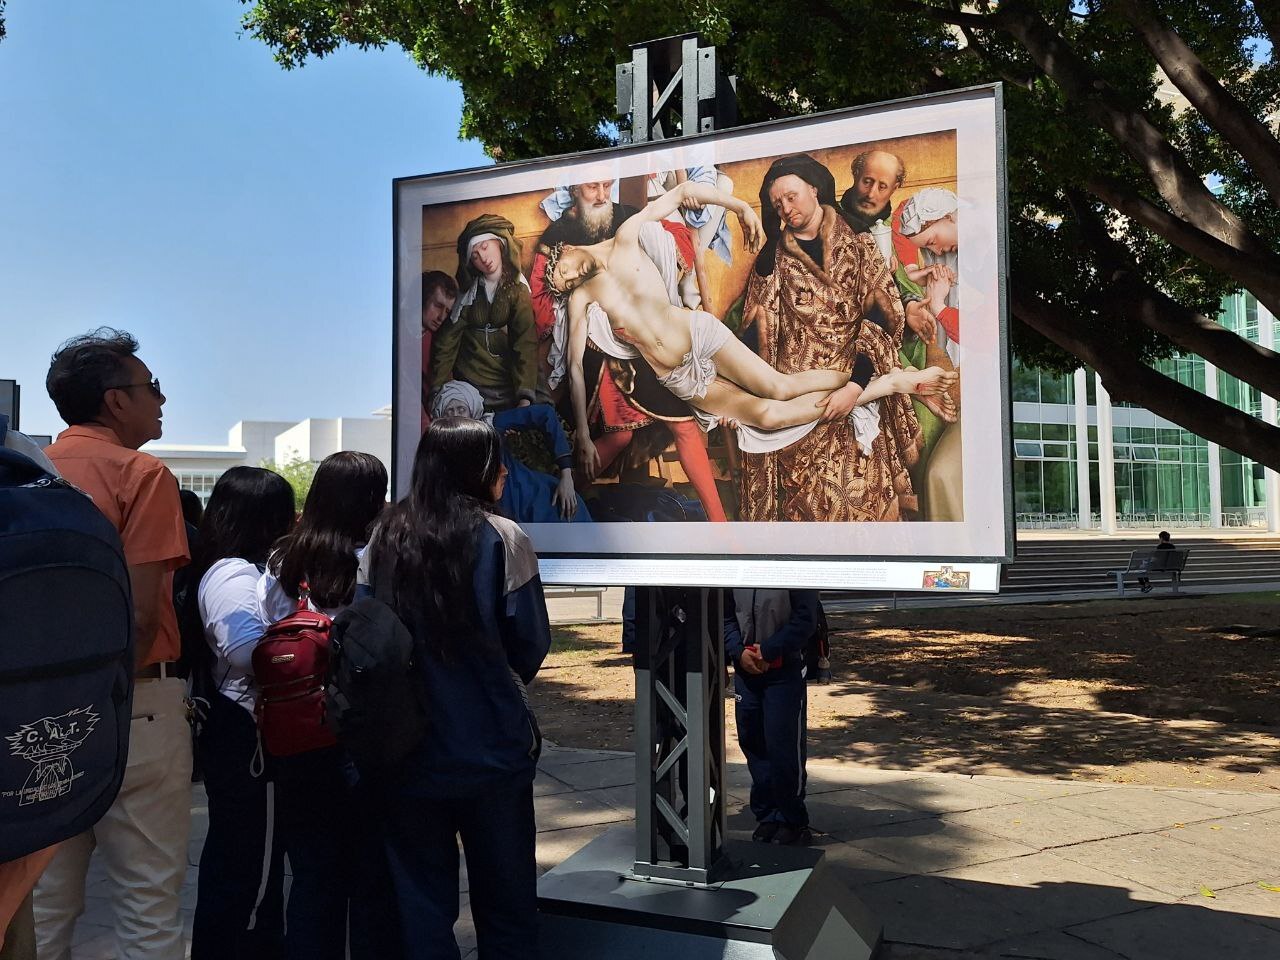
[{"x": 156, "y": 671}]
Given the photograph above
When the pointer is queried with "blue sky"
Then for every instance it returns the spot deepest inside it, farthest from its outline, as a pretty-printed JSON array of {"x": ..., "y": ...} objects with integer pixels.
[{"x": 159, "y": 172}]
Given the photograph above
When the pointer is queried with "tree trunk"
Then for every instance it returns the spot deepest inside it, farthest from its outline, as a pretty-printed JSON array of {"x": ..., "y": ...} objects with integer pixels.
[{"x": 1131, "y": 380}]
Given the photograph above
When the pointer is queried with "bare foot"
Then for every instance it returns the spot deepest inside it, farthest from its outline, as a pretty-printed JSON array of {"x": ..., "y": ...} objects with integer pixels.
[
  {"x": 941, "y": 405},
  {"x": 932, "y": 386},
  {"x": 928, "y": 382}
]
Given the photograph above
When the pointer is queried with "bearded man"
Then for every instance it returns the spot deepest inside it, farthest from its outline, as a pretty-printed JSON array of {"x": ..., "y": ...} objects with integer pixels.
[
  {"x": 624, "y": 397},
  {"x": 810, "y": 295},
  {"x": 877, "y": 175}
]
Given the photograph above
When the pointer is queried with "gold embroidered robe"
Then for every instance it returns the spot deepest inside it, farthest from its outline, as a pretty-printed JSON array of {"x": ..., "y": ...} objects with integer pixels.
[{"x": 812, "y": 317}]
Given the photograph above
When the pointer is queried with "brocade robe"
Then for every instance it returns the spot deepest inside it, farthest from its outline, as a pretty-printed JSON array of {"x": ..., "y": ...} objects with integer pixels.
[{"x": 811, "y": 317}]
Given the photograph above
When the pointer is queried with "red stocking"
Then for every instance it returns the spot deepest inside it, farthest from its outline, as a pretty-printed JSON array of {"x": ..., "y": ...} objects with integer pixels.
[
  {"x": 691, "y": 447},
  {"x": 609, "y": 445}
]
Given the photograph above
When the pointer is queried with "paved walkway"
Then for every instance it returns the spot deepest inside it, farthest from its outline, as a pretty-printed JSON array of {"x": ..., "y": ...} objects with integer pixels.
[{"x": 962, "y": 867}]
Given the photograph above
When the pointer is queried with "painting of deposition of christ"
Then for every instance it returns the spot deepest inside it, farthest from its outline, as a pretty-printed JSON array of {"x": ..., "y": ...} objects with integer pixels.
[{"x": 748, "y": 344}]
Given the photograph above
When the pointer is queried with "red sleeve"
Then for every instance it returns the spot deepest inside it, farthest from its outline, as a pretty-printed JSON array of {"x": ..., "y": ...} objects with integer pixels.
[
  {"x": 906, "y": 251},
  {"x": 544, "y": 307},
  {"x": 950, "y": 320}
]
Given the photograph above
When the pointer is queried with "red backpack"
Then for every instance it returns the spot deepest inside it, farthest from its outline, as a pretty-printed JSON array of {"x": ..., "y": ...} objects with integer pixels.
[{"x": 290, "y": 664}]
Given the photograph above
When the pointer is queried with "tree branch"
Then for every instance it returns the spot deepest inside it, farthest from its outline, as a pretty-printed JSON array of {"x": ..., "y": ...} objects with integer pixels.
[
  {"x": 1127, "y": 378},
  {"x": 1132, "y": 296},
  {"x": 957, "y": 18},
  {"x": 1268, "y": 12},
  {"x": 1259, "y": 274},
  {"x": 1174, "y": 179},
  {"x": 1232, "y": 119},
  {"x": 975, "y": 46}
]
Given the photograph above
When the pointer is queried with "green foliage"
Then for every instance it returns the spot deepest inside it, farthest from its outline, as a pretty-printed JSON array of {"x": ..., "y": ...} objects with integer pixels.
[
  {"x": 299, "y": 473},
  {"x": 538, "y": 79}
]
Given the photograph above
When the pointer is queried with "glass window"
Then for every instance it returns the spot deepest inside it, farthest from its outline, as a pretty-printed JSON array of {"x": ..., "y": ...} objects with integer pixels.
[
  {"x": 1055, "y": 431},
  {"x": 1054, "y": 389},
  {"x": 1026, "y": 431},
  {"x": 1059, "y": 486},
  {"x": 1027, "y": 450},
  {"x": 1122, "y": 452},
  {"x": 1171, "y": 454},
  {"x": 1026, "y": 383},
  {"x": 1144, "y": 453},
  {"x": 1057, "y": 451},
  {"x": 1026, "y": 487}
]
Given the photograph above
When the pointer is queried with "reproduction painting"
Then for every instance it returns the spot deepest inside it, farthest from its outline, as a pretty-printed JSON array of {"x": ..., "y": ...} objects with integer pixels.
[{"x": 779, "y": 341}]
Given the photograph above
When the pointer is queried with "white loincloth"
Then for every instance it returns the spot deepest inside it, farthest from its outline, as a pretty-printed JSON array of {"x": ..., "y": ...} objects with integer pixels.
[{"x": 695, "y": 373}]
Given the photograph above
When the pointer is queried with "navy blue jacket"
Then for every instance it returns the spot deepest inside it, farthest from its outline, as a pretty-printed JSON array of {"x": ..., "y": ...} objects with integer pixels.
[
  {"x": 786, "y": 641},
  {"x": 481, "y": 732}
]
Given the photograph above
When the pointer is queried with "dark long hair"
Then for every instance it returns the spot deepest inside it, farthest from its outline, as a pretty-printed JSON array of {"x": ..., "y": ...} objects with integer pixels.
[
  {"x": 249, "y": 510},
  {"x": 347, "y": 494},
  {"x": 430, "y": 536}
]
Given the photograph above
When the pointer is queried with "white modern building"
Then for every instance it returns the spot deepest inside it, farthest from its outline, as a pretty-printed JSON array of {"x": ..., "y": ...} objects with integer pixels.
[{"x": 250, "y": 443}]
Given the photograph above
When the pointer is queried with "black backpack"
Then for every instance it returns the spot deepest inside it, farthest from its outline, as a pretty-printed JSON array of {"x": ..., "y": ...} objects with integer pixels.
[
  {"x": 375, "y": 699},
  {"x": 66, "y": 658}
]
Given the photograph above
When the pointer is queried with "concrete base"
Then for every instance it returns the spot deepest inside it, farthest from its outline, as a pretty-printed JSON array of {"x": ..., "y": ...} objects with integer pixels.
[{"x": 774, "y": 903}]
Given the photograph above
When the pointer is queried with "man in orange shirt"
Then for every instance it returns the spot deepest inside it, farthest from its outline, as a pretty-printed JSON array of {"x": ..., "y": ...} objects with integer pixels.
[{"x": 112, "y": 406}]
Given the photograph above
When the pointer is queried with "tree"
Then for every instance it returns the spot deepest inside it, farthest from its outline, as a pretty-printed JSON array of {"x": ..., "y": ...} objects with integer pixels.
[
  {"x": 299, "y": 473},
  {"x": 1121, "y": 250}
]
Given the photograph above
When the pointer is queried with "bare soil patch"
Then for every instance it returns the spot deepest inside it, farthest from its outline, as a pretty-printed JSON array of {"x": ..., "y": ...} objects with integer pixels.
[{"x": 1155, "y": 690}]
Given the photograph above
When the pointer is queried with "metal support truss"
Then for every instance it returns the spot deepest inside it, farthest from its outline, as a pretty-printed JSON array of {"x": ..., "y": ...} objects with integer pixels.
[
  {"x": 673, "y": 87},
  {"x": 679, "y": 734}
]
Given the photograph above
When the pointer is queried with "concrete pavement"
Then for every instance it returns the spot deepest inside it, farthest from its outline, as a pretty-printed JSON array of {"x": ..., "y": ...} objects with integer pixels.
[{"x": 962, "y": 867}]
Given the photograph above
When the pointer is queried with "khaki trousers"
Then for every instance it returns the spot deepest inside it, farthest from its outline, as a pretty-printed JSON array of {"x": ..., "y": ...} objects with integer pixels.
[{"x": 142, "y": 840}]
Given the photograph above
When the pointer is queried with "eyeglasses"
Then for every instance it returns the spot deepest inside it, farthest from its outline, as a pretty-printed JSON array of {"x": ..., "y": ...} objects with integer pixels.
[{"x": 153, "y": 383}]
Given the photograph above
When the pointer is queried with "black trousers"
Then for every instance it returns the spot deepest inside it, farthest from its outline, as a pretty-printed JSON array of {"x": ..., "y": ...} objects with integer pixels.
[
  {"x": 341, "y": 903},
  {"x": 497, "y": 834},
  {"x": 240, "y": 892},
  {"x": 771, "y": 717}
]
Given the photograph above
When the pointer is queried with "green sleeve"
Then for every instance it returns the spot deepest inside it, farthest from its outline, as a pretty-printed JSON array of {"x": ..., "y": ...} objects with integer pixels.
[
  {"x": 445, "y": 350},
  {"x": 524, "y": 343}
]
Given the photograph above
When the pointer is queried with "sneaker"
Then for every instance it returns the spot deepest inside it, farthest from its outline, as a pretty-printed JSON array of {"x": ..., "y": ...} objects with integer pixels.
[
  {"x": 789, "y": 835},
  {"x": 1146, "y": 587},
  {"x": 764, "y": 832}
]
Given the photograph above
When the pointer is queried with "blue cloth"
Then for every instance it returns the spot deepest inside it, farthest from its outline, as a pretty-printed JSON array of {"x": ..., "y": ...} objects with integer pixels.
[
  {"x": 481, "y": 735},
  {"x": 237, "y": 914},
  {"x": 527, "y": 495},
  {"x": 341, "y": 882},
  {"x": 771, "y": 708},
  {"x": 787, "y": 642},
  {"x": 771, "y": 714},
  {"x": 498, "y": 837}
]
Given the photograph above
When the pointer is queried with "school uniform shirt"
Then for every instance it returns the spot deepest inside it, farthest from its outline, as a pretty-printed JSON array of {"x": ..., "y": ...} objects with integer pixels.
[
  {"x": 233, "y": 625},
  {"x": 481, "y": 732},
  {"x": 274, "y": 604}
]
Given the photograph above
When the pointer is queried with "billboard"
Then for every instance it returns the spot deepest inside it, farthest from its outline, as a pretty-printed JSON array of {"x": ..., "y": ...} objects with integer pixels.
[{"x": 775, "y": 354}]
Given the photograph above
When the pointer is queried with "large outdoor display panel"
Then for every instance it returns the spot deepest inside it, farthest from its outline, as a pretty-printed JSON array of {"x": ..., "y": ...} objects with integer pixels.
[{"x": 774, "y": 355}]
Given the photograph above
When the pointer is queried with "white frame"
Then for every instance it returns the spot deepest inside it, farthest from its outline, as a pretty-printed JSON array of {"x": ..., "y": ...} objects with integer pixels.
[{"x": 828, "y": 555}]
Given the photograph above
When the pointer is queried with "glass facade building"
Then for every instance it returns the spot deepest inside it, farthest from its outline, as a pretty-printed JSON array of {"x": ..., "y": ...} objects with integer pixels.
[{"x": 1164, "y": 475}]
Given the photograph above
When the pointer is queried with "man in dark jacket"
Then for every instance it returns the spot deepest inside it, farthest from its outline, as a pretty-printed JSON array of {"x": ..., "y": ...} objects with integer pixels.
[{"x": 765, "y": 632}]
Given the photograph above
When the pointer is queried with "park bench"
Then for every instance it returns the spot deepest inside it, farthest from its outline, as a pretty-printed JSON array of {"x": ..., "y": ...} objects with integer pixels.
[
  {"x": 1150, "y": 564},
  {"x": 571, "y": 591}
]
